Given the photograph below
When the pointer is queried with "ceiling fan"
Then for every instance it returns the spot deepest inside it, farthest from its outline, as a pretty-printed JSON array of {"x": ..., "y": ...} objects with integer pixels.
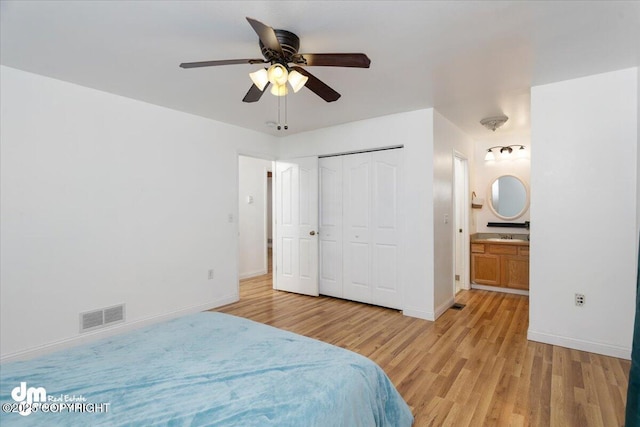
[{"x": 280, "y": 49}]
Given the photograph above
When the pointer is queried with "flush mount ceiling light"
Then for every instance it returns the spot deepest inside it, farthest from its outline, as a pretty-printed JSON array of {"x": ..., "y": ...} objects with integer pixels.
[
  {"x": 493, "y": 123},
  {"x": 505, "y": 151}
]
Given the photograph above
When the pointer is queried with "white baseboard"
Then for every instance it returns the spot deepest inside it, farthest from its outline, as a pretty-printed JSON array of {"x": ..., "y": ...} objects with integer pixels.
[
  {"x": 576, "y": 344},
  {"x": 497, "y": 289},
  {"x": 111, "y": 331},
  {"x": 444, "y": 306},
  {"x": 252, "y": 274},
  {"x": 420, "y": 314}
]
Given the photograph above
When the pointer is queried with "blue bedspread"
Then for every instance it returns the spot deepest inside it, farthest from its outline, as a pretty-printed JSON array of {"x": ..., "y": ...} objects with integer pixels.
[{"x": 205, "y": 369}]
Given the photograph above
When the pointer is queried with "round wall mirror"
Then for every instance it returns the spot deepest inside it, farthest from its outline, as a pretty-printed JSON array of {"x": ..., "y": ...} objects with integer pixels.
[{"x": 509, "y": 197}]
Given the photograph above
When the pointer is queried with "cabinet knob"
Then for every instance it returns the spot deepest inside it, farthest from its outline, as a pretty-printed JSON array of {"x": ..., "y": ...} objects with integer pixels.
[{"x": 312, "y": 233}]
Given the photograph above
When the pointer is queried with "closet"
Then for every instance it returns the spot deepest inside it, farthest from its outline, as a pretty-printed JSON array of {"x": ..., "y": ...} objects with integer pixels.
[{"x": 359, "y": 226}]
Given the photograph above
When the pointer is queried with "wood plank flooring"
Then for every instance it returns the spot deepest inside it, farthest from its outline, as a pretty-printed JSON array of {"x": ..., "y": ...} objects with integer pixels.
[{"x": 471, "y": 367}]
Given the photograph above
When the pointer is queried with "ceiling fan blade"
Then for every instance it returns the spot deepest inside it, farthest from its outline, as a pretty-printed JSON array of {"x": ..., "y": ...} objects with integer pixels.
[
  {"x": 267, "y": 35},
  {"x": 254, "y": 93},
  {"x": 358, "y": 60},
  {"x": 222, "y": 62},
  {"x": 316, "y": 86}
]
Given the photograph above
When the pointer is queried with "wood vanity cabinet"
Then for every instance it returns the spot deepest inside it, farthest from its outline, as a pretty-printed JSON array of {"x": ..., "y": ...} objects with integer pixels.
[{"x": 500, "y": 264}]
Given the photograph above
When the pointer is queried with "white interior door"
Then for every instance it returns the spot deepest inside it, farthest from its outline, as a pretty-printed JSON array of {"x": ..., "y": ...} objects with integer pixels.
[
  {"x": 461, "y": 206},
  {"x": 296, "y": 247},
  {"x": 330, "y": 227}
]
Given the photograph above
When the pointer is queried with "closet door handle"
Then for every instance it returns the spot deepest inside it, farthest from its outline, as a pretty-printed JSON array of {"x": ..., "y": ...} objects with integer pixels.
[{"x": 312, "y": 233}]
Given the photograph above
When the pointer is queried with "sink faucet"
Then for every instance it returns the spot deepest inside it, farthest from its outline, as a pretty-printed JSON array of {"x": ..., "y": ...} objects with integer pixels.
[{"x": 506, "y": 236}]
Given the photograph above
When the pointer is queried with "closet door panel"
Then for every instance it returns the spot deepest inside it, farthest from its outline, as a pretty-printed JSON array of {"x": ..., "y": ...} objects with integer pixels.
[
  {"x": 385, "y": 268},
  {"x": 330, "y": 228},
  {"x": 357, "y": 285},
  {"x": 385, "y": 235},
  {"x": 357, "y": 227}
]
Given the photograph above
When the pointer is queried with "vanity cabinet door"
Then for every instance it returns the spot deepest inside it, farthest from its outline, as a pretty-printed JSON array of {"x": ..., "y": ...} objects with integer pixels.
[
  {"x": 515, "y": 272},
  {"x": 485, "y": 269}
]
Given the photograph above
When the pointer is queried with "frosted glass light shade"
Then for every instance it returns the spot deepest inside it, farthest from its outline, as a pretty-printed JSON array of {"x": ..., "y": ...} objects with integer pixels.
[
  {"x": 260, "y": 78},
  {"x": 505, "y": 152},
  {"x": 277, "y": 74},
  {"x": 490, "y": 156},
  {"x": 297, "y": 80},
  {"x": 279, "y": 90}
]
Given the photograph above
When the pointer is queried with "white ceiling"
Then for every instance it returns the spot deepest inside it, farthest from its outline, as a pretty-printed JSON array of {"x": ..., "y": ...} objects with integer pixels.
[{"x": 469, "y": 59}]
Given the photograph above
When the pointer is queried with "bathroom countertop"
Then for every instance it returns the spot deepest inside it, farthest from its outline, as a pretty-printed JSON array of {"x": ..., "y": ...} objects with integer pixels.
[{"x": 518, "y": 239}]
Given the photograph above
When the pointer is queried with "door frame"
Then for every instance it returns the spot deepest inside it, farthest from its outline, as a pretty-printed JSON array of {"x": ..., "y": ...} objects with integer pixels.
[
  {"x": 465, "y": 278},
  {"x": 234, "y": 217}
]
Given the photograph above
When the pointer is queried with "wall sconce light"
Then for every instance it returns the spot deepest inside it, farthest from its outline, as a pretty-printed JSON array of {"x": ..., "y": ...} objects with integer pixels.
[{"x": 505, "y": 151}]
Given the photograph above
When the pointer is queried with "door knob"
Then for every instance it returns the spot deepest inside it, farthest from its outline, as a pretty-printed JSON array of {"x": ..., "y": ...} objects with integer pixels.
[{"x": 312, "y": 233}]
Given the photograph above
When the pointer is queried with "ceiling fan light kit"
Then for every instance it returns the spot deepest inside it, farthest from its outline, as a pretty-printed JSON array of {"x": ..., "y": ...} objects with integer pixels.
[
  {"x": 279, "y": 90},
  {"x": 278, "y": 74},
  {"x": 297, "y": 80},
  {"x": 260, "y": 78},
  {"x": 279, "y": 49}
]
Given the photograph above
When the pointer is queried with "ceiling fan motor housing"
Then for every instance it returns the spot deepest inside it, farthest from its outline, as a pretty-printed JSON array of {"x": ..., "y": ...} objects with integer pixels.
[{"x": 290, "y": 44}]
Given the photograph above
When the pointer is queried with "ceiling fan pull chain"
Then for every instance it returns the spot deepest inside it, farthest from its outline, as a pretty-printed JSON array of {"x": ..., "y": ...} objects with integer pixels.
[
  {"x": 279, "y": 127},
  {"x": 286, "y": 126}
]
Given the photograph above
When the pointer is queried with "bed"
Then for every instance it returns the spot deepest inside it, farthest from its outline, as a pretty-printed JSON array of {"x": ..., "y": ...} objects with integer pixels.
[{"x": 203, "y": 369}]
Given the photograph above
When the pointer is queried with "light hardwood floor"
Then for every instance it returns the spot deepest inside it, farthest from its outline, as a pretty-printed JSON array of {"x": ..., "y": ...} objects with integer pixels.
[{"x": 472, "y": 367}]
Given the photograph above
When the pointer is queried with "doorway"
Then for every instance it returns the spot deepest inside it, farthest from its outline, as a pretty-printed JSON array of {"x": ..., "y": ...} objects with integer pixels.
[
  {"x": 254, "y": 216},
  {"x": 461, "y": 205}
]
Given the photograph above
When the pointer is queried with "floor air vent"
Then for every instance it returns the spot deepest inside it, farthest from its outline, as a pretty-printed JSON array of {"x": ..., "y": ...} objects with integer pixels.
[{"x": 101, "y": 318}]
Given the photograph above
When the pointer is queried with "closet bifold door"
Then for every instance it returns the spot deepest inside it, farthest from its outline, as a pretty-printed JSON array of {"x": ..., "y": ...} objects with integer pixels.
[
  {"x": 357, "y": 227},
  {"x": 371, "y": 231},
  {"x": 386, "y": 217},
  {"x": 330, "y": 226}
]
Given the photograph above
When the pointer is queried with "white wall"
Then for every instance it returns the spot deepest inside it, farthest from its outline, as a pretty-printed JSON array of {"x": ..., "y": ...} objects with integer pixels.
[
  {"x": 252, "y": 217},
  {"x": 487, "y": 171},
  {"x": 583, "y": 211},
  {"x": 448, "y": 139},
  {"x": 414, "y": 130},
  {"x": 107, "y": 200}
]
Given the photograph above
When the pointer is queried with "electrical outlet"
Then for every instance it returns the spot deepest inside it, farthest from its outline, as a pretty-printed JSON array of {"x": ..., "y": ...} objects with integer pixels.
[
  {"x": 211, "y": 274},
  {"x": 579, "y": 300}
]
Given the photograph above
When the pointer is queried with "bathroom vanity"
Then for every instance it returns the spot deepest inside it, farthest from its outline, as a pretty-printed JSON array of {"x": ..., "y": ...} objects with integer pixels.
[{"x": 502, "y": 263}]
